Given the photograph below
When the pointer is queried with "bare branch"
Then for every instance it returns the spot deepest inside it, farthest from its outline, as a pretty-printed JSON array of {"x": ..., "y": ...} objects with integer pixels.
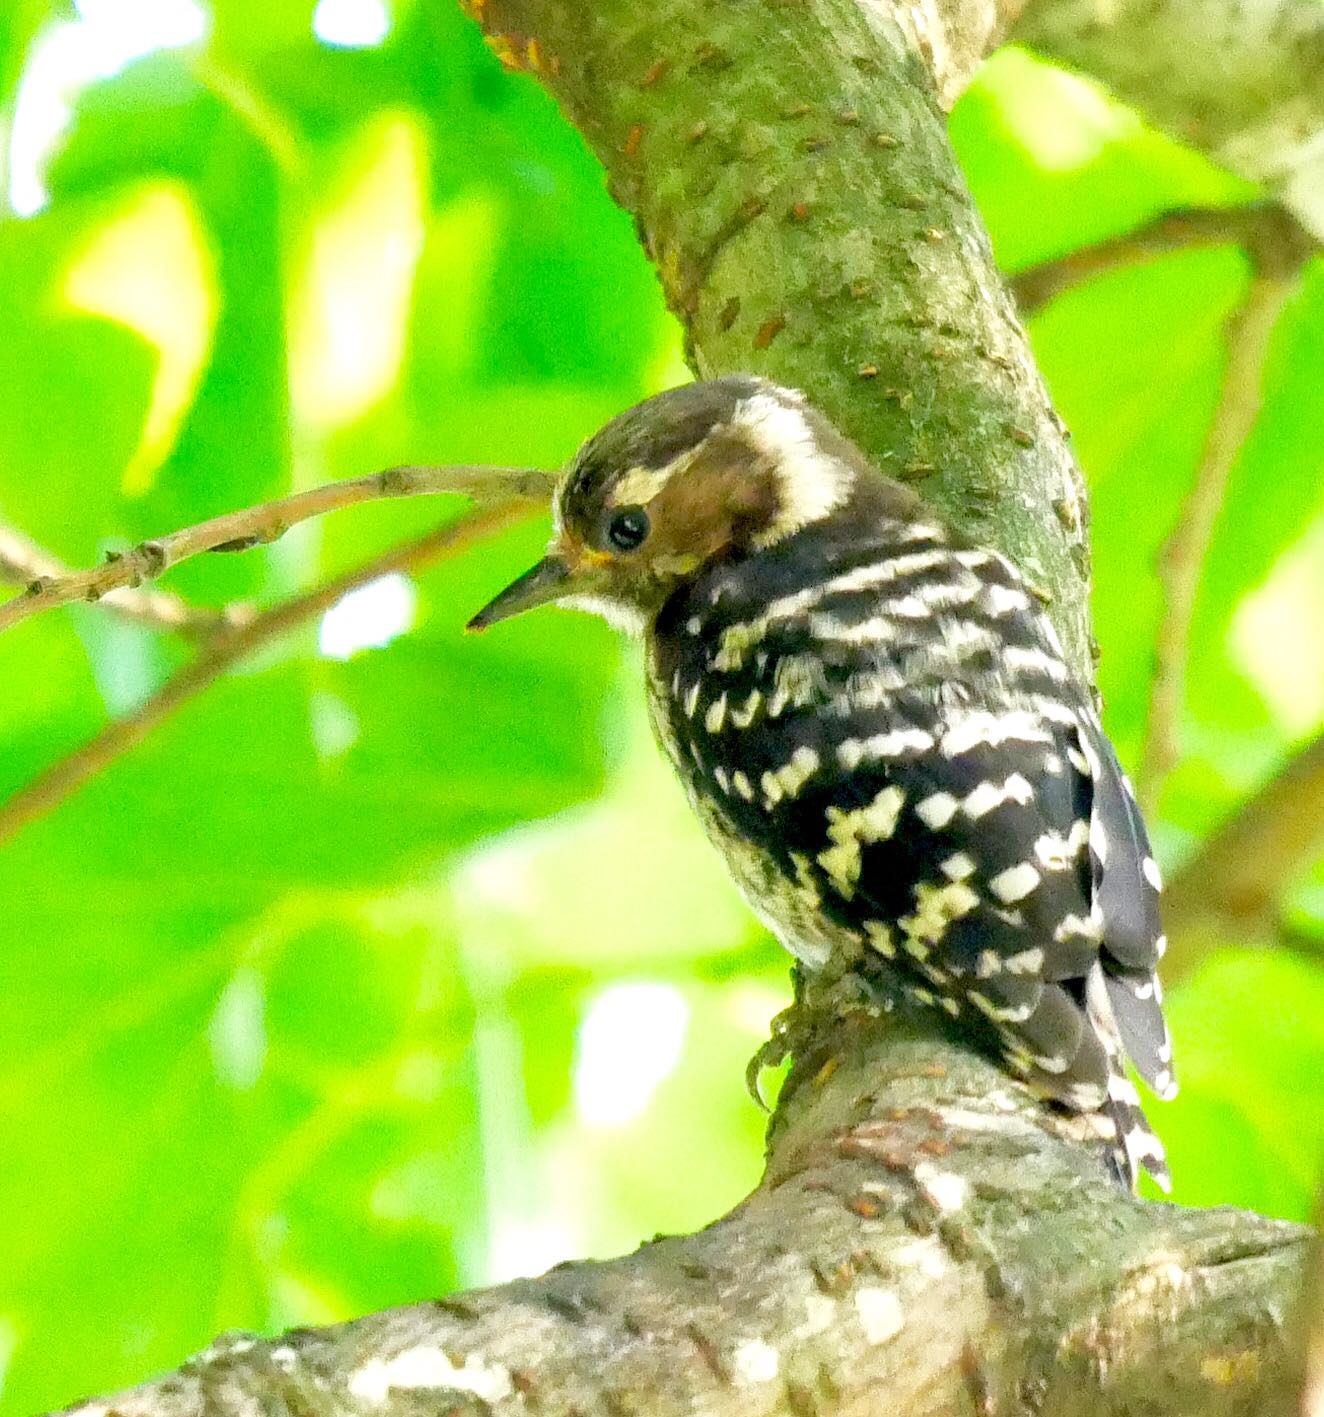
[
  {"x": 1237, "y": 879},
  {"x": 63, "y": 778},
  {"x": 1277, "y": 244},
  {"x": 1182, "y": 562},
  {"x": 257, "y": 526},
  {"x": 23, "y": 561}
]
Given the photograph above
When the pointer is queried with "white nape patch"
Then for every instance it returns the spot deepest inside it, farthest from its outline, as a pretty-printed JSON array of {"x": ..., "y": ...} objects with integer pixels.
[
  {"x": 619, "y": 614},
  {"x": 812, "y": 484},
  {"x": 755, "y": 1362},
  {"x": 944, "y": 1190},
  {"x": 880, "y": 1314},
  {"x": 424, "y": 1368}
]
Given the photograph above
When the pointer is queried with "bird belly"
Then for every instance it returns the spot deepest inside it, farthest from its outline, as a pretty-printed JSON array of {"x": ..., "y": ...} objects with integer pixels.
[{"x": 790, "y": 907}]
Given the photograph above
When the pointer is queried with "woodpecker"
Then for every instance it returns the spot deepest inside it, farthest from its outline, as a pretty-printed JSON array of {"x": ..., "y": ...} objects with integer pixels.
[{"x": 877, "y": 727}]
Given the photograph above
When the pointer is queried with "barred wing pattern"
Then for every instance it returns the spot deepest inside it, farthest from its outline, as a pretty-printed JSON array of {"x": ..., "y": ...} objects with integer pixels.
[{"x": 880, "y": 733}]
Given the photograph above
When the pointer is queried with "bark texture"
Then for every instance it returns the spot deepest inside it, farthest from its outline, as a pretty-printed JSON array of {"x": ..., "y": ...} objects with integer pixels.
[
  {"x": 1242, "y": 80},
  {"x": 922, "y": 1243},
  {"x": 927, "y": 1239}
]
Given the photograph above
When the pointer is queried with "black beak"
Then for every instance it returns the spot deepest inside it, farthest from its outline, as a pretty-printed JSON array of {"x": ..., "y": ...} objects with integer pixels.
[{"x": 549, "y": 580}]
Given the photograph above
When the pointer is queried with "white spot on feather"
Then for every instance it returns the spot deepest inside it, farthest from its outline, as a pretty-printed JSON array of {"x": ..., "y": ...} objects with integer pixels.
[{"x": 1015, "y": 883}]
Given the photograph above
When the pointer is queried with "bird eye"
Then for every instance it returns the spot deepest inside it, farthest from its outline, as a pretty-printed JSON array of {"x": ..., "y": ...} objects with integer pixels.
[{"x": 628, "y": 528}]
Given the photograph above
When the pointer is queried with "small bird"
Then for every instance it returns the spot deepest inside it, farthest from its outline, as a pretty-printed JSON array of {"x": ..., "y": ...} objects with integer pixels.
[{"x": 877, "y": 727}]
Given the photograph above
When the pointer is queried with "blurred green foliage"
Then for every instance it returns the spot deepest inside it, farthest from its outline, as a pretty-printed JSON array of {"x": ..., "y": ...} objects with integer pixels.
[{"x": 376, "y": 974}]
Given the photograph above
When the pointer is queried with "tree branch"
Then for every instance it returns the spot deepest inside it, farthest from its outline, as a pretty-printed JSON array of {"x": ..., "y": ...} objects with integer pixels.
[
  {"x": 257, "y": 526},
  {"x": 23, "y": 561},
  {"x": 920, "y": 1232},
  {"x": 1235, "y": 883},
  {"x": 227, "y": 647},
  {"x": 1276, "y": 243},
  {"x": 1182, "y": 561},
  {"x": 1241, "y": 80}
]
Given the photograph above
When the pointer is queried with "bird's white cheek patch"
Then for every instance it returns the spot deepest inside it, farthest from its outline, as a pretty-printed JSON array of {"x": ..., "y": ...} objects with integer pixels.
[{"x": 812, "y": 484}]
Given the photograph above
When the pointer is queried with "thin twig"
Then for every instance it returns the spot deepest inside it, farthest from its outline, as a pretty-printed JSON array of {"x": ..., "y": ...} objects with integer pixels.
[
  {"x": 256, "y": 526},
  {"x": 63, "y": 778},
  {"x": 1182, "y": 559},
  {"x": 1237, "y": 879},
  {"x": 22, "y": 561},
  {"x": 1277, "y": 244}
]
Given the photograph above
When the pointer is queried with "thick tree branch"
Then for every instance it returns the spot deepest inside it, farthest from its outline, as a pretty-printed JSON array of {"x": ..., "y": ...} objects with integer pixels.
[
  {"x": 22, "y": 561},
  {"x": 1242, "y": 80},
  {"x": 1234, "y": 885},
  {"x": 257, "y": 526},
  {"x": 1182, "y": 562},
  {"x": 922, "y": 1243},
  {"x": 227, "y": 648},
  {"x": 1276, "y": 243}
]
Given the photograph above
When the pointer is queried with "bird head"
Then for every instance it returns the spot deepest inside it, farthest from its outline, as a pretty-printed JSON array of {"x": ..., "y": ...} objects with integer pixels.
[{"x": 722, "y": 469}]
